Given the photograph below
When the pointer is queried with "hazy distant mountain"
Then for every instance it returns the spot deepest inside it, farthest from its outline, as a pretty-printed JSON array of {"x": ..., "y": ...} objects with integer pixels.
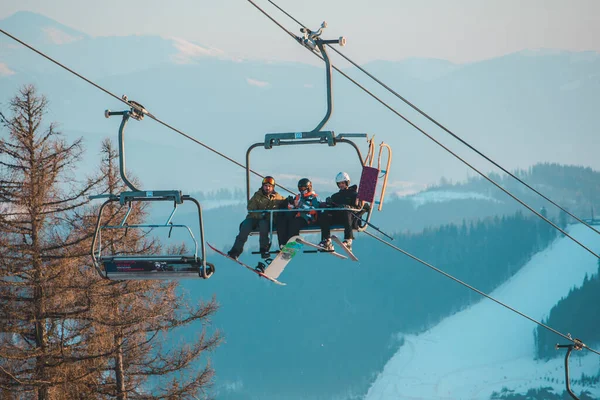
[
  {"x": 524, "y": 108},
  {"x": 94, "y": 57},
  {"x": 420, "y": 69},
  {"x": 38, "y": 30}
]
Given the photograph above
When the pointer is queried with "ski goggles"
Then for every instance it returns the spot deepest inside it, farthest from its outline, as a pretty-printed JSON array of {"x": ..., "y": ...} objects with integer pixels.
[{"x": 268, "y": 180}]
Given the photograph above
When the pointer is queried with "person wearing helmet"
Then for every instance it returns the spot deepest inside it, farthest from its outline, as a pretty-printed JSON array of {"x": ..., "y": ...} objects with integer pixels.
[
  {"x": 346, "y": 197},
  {"x": 305, "y": 202},
  {"x": 265, "y": 198}
]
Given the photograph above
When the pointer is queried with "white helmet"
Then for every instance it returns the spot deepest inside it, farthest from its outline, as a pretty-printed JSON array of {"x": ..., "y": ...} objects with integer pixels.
[{"x": 342, "y": 177}]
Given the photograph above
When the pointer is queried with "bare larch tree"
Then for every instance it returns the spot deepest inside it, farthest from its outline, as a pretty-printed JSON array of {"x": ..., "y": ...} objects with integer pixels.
[
  {"x": 64, "y": 331},
  {"x": 41, "y": 287},
  {"x": 136, "y": 317}
]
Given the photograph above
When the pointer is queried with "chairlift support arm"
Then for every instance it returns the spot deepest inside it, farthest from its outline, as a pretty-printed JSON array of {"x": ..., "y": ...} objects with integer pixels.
[
  {"x": 137, "y": 112},
  {"x": 577, "y": 345},
  {"x": 312, "y": 41}
]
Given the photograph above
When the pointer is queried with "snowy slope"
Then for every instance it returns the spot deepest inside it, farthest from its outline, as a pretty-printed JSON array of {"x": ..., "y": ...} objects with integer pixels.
[{"x": 487, "y": 347}]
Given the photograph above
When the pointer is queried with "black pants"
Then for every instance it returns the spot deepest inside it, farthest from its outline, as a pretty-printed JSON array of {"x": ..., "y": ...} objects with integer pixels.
[
  {"x": 289, "y": 225},
  {"x": 339, "y": 217},
  {"x": 247, "y": 226}
]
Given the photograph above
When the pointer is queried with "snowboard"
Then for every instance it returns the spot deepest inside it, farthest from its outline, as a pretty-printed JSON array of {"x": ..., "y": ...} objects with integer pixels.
[
  {"x": 338, "y": 241},
  {"x": 264, "y": 275},
  {"x": 291, "y": 248},
  {"x": 316, "y": 246}
]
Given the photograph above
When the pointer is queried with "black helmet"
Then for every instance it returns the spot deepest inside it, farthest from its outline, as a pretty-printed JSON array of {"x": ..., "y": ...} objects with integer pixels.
[{"x": 304, "y": 184}]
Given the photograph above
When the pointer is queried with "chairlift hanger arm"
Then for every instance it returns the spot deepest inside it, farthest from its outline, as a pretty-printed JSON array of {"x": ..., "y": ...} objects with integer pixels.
[
  {"x": 576, "y": 345},
  {"x": 137, "y": 112},
  {"x": 312, "y": 41},
  {"x": 329, "y": 87}
]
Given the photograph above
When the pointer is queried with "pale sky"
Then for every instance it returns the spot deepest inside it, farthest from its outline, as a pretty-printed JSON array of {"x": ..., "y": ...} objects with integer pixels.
[{"x": 459, "y": 31}]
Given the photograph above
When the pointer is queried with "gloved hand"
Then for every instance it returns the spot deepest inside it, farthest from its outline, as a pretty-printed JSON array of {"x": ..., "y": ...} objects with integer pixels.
[
  {"x": 290, "y": 199},
  {"x": 328, "y": 201}
]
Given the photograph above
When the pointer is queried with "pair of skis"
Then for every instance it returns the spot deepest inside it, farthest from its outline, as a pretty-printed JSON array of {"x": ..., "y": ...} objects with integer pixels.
[{"x": 289, "y": 251}]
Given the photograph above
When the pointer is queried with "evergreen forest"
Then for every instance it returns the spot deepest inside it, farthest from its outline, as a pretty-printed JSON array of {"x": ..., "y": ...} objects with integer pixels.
[{"x": 578, "y": 312}]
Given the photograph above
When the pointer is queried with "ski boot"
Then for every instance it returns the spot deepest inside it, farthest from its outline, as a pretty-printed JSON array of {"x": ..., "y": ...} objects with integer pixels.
[
  {"x": 348, "y": 244},
  {"x": 326, "y": 245}
]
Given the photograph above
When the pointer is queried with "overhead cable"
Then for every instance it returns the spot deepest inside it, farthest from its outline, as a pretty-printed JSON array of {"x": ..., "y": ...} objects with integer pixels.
[
  {"x": 441, "y": 126},
  {"x": 368, "y": 233},
  {"x": 433, "y": 139},
  {"x": 134, "y": 106},
  {"x": 447, "y": 275}
]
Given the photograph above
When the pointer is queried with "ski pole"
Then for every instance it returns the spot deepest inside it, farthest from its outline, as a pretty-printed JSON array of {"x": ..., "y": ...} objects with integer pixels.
[
  {"x": 373, "y": 226},
  {"x": 366, "y": 222}
]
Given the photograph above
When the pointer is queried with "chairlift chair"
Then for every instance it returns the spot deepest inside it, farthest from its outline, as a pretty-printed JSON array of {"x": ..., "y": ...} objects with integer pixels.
[
  {"x": 146, "y": 266},
  {"x": 370, "y": 175}
]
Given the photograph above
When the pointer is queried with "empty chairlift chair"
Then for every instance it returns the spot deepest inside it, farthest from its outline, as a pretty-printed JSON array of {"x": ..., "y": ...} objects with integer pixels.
[{"x": 123, "y": 263}]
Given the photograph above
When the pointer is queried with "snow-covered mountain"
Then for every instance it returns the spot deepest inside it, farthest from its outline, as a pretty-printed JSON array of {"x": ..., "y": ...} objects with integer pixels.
[{"x": 486, "y": 347}]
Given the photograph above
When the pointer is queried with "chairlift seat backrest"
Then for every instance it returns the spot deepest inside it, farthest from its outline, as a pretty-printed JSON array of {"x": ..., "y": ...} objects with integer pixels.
[{"x": 368, "y": 184}]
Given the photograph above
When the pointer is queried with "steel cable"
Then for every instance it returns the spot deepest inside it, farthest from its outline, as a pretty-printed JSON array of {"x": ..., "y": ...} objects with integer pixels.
[
  {"x": 441, "y": 126},
  {"x": 566, "y": 337},
  {"x": 447, "y": 275},
  {"x": 368, "y": 233},
  {"x": 434, "y": 140},
  {"x": 134, "y": 106}
]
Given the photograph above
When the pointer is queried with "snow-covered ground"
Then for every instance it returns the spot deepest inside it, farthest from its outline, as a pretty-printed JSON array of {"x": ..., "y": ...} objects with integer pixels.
[
  {"x": 432, "y": 196},
  {"x": 487, "y": 347}
]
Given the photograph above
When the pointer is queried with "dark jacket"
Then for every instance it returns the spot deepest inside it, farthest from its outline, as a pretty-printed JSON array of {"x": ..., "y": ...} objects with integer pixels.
[{"x": 347, "y": 197}]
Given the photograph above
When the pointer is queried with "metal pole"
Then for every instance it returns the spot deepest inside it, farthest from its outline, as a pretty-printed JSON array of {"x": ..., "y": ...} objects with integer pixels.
[
  {"x": 122, "y": 152},
  {"x": 570, "y": 348},
  {"x": 328, "y": 82}
]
